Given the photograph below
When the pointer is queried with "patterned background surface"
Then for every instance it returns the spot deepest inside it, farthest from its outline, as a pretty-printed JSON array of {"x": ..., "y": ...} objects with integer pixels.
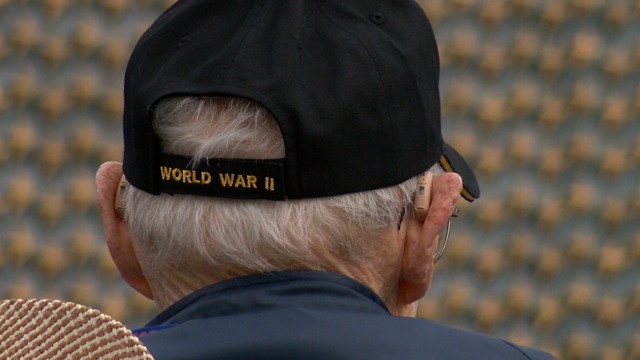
[{"x": 542, "y": 96}]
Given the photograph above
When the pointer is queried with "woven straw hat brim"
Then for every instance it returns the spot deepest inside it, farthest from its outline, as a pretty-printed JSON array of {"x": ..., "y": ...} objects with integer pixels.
[{"x": 53, "y": 329}]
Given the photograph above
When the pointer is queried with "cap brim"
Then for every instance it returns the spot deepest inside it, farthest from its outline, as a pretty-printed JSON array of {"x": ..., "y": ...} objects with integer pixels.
[{"x": 452, "y": 161}]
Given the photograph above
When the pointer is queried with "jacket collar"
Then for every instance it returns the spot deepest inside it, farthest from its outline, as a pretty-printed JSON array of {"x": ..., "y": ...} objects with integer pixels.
[{"x": 300, "y": 288}]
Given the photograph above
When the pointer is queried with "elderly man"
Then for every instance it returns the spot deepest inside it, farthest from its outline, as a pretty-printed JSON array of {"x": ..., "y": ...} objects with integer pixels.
[{"x": 286, "y": 188}]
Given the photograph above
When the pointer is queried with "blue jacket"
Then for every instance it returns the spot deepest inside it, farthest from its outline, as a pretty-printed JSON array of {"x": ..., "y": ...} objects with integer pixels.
[{"x": 307, "y": 315}]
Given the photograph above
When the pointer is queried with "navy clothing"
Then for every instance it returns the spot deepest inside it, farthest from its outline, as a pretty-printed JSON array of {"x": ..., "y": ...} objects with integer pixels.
[{"x": 307, "y": 315}]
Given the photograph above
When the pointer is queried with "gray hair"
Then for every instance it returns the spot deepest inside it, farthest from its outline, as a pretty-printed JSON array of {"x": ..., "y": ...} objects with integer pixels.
[{"x": 251, "y": 236}]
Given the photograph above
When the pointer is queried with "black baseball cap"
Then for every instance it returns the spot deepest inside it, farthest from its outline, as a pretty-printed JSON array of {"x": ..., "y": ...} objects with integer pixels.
[{"x": 353, "y": 86}]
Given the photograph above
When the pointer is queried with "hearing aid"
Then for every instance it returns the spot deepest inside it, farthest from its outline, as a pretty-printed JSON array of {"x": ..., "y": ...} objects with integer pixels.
[{"x": 422, "y": 196}]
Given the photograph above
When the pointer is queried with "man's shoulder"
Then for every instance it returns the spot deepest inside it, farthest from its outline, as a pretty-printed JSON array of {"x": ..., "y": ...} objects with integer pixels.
[
  {"x": 314, "y": 335},
  {"x": 460, "y": 342}
]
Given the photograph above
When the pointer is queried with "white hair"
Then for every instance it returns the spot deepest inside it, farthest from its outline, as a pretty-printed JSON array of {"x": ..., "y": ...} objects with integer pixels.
[{"x": 251, "y": 235}]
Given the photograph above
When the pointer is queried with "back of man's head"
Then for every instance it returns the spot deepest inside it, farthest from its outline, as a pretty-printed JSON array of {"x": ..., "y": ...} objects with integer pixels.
[
  {"x": 271, "y": 135},
  {"x": 233, "y": 237}
]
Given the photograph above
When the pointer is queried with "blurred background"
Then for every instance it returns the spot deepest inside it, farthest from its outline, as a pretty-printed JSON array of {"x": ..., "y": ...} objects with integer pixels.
[{"x": 541, "y": 96}]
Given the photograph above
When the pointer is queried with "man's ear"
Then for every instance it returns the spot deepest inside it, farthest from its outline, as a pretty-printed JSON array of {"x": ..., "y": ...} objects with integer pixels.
[
  {"x": 420, "y": 241},
  {"x": 116, "y": 231}
]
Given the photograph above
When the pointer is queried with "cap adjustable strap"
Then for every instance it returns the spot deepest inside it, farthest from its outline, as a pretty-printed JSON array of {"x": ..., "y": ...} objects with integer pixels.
[{"x": 231, "y": 178}]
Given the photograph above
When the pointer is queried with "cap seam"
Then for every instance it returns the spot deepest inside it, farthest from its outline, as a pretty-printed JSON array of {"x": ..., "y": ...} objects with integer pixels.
[
  {"x": 248, "y": 27},
  {"x": 380, "y": 78}
]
